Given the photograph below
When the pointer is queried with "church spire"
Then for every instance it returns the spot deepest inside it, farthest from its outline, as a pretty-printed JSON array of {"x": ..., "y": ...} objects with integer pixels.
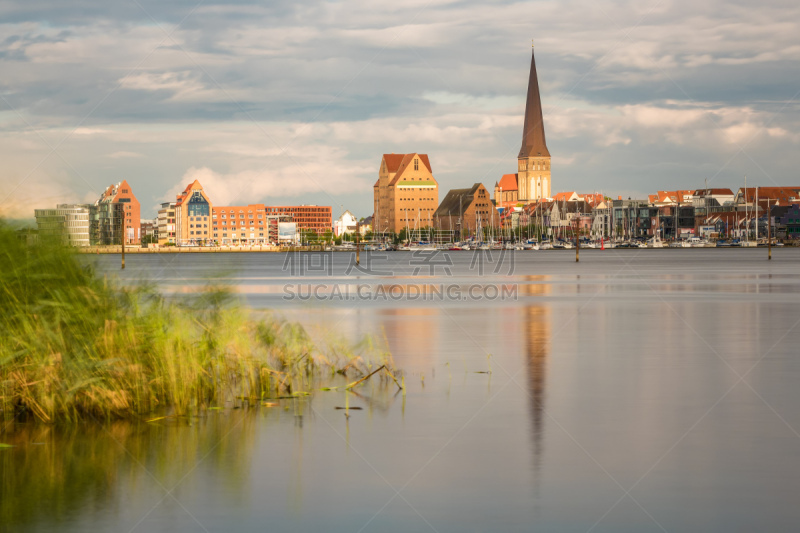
[{"x": 533, "y": 143}]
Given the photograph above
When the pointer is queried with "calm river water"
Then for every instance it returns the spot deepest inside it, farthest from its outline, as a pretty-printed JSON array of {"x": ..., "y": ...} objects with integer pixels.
[{"x": 639, "y": 390}]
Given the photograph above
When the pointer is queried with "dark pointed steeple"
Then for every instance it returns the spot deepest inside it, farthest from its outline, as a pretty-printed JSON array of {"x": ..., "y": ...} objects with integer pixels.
[{"x": 533, "y": 143}]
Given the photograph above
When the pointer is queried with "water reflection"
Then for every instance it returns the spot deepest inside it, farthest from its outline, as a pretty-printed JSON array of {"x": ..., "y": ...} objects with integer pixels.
[
  {"x": 537, "y": 344},
  {"x": 413, "y": 332},
  {"x": 52, "y": 472}
]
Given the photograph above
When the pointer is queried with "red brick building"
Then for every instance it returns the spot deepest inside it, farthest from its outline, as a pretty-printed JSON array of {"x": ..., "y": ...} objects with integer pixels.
[
  {"x": 258, "y": 224},
  {"x": 318, "y": 218}
]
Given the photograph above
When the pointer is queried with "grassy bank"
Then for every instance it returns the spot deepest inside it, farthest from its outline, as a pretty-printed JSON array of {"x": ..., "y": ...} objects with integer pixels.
[{"x": 74, "y": 345}]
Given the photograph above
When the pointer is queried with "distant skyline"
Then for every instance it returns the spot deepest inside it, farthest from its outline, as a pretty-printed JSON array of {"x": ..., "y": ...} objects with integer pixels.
[{"x": 295, "y": 102}]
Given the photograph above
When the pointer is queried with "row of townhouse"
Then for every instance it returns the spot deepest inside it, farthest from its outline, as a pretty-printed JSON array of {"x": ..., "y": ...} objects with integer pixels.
[{"x": 667, "y": 214}]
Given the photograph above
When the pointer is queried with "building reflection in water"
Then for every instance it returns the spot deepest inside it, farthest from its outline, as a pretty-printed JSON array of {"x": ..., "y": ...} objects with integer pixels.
[
  {"x": 537, "y": 330},
  {"x": 412, "y": 334}
]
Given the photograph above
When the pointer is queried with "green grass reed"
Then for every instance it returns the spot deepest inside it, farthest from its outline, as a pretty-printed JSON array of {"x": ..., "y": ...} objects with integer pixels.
[{"x": 73, "y": 345}]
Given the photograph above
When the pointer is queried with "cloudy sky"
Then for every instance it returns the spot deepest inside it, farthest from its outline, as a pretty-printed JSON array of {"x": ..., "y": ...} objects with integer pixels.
[{"x": 288, "y": 102}]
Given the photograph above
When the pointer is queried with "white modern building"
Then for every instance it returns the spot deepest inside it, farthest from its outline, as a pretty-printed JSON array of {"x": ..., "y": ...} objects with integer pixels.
[{"x": 67, "y": 222}]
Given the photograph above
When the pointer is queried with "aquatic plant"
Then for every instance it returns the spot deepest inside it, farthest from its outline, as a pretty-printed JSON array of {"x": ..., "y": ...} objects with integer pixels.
[{"x": 74, "y": 345}]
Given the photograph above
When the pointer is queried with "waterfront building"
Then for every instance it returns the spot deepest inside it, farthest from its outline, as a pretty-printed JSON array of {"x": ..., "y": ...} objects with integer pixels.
[
  {"x": 243, "y": 224},
  {"x": 764, "y": 195},
  {"x": 316, "y": 218},
  {"x": 786, "y": 221},
  {"x": 258, "y": 224},
  {"x": 117, "y": 213},
  {"x": 166, "y": 224},
  {"x": 467, "y": 212},
  {"x": 345, "y": 224},
  {"x": 708, "y": 198},
  {"x": 149, "y": 230},
  {"x": 192, "y": 216},
  {"x": 532, "y": 181},
  {"x": 67, "y": 224},
  {"x": 406, "y": 194},
  {"x": 602, "y": 224}
]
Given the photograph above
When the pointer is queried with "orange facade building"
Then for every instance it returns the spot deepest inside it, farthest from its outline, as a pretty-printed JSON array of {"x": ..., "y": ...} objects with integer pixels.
[
  {"x": 193, "y": 216},
  {"x": 243, "y": 224},
  {"x": 406, "y": 194},
  {"x": 258, "y": 224},
  {"x": 198, "y": 221},
  {"x": 118, "y": 214}
]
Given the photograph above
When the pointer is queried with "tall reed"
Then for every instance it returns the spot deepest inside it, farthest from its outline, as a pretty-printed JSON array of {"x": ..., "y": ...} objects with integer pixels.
[{"x": 73, "y": 345}]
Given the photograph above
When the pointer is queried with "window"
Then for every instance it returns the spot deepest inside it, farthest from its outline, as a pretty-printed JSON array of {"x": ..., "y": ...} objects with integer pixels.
[{"x": 416, "y": 164}]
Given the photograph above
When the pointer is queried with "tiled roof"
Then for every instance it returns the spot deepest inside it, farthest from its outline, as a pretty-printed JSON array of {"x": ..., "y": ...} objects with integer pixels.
[
  {"x": 395, "y": 161},
  {"x": 508, "y": 182},
  {"x": 593, "y": 199},
  {"x": 564, "y": 196},
  {"x": 192, "y": 186},
  {"x": 452, "y": 206},
  {"x": 784, "y": 194},
  {"x": 404, "y": 164}
]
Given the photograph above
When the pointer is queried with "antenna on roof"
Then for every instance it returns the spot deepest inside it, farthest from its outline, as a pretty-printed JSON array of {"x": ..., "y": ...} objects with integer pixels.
[{"x": 531, "y": 43}]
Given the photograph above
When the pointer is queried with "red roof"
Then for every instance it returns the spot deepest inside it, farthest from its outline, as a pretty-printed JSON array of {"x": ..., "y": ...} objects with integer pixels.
[
  {"x": 405, "y": 162},
  {"x": 395, "y": 161},
  {"x": 593, "y": 199},
  {"x": 508, "y": 182},
  {"x": 786, "y": 194},
  {"x": 563, "y": 196}
]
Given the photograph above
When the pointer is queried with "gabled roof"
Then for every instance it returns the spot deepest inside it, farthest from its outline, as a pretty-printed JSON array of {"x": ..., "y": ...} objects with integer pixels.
[
  {"x": 457, "y": 200},
  {"x": 509, "y": 182},
  {"x": 533, "y": 143},
  {"x": 593, "y": 199},
  {"x": 667, "y": 197},
  {"x": 568, "y": 196},
  {"x": 786, "y": 194},
  {"x": 395, "y": 161},
  {"x": 406, "y": 162},
  {"x": 185, "y": 194},
  {"x": 191, "y": 186}
]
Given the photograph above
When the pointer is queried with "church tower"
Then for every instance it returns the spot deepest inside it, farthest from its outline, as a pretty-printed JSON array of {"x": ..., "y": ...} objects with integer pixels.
[{"x": 533, "y": 168}]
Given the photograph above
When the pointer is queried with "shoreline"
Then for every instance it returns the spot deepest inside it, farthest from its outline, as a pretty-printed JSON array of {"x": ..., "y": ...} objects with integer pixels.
[{"x": 117, "y": 250}]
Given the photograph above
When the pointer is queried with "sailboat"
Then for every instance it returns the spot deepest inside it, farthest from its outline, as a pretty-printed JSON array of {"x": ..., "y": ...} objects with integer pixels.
[{"x": 747, "y": 242}]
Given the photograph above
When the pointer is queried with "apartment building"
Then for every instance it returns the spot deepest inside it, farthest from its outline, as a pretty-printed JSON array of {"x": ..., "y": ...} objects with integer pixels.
[
  {"x": 193, "y": 224},
  {"x": 166, "y": 224},
  {"x": 67, "y": 223},
  {"x": 117, "y": 213}
]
